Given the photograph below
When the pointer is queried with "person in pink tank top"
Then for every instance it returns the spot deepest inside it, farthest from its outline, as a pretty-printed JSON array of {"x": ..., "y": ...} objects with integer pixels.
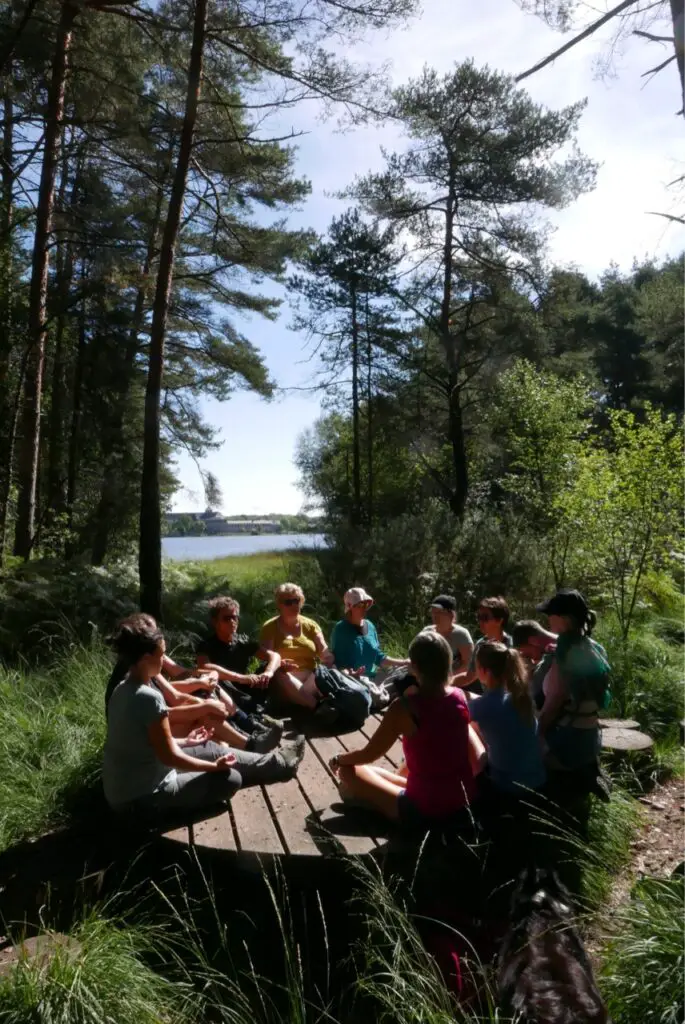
[{"x": 442, "y": 753}]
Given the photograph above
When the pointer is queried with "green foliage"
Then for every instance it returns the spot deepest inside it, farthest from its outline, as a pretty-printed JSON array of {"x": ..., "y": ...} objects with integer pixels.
[
  {"x": 541, "y": 421},
  {"x": 622, "y": 516},
  {"x": 98, "y": 975},
  {"x": 52, "y": 729},
  {"x": 642, "y": 966}
]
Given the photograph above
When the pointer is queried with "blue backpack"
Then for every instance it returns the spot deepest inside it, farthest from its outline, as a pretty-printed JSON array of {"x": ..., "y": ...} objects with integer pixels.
[{"x": 349, "y": 697}]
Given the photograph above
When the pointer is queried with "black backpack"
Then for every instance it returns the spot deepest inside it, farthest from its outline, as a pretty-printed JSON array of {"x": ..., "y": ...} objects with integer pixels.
[{"x": 349, "y": 697}]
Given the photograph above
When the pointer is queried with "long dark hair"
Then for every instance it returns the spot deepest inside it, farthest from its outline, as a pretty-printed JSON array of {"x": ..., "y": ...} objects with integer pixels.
[
  {"x": 136, "y": 637},
  {"x": 508, "y": 671}
]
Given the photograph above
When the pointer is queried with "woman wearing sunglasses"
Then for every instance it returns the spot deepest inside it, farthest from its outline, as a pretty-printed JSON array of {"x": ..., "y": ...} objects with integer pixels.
[
  {"x": 300, "y": 645},
  {"x": 493, "y": 617}
]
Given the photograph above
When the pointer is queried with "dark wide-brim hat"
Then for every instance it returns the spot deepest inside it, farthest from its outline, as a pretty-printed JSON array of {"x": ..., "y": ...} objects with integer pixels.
[{"x": 566, "y": 602}]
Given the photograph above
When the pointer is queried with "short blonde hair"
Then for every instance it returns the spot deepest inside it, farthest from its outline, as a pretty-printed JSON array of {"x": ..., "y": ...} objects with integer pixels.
[{"x": 289, "y": 590}]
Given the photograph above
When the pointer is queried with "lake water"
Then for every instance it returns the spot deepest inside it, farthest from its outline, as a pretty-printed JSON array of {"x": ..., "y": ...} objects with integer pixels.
[{"x": 203, "y": 549}]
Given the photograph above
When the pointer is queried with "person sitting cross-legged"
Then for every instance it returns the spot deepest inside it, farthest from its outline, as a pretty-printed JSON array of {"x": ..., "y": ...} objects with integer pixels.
[
  {"x": 505, "y": 719},
  {"x": 354, "y": 640},
  {"x": 146, "y": 769},
  {"x": 300, "y": 645},
  {"x": 493, "y": 616},
  {"x": 227, "y": 653},
  {"x": 195, "y": 699},
  {"x": 443, "y": 611},
  {"x": 442, "y": 754}
]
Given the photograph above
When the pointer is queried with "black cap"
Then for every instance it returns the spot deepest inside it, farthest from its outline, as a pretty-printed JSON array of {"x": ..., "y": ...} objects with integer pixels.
[
  {"x": 444, "y": 601},
  {"x": 566, "y": 602}
]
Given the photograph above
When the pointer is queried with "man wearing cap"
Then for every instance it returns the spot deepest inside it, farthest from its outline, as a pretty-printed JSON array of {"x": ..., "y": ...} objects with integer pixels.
[
  {"x": 354, "y": 641},
  {"x": 443, "y": 611}
]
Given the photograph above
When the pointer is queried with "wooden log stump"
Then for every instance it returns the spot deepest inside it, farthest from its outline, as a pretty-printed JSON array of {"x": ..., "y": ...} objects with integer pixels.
[
  {"x": 618, "y": 723},
  {"x": 39, "y": 949},
  {"x": 625, "y": 740}
]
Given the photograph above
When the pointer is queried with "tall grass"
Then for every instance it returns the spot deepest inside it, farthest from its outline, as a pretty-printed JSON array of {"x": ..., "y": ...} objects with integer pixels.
[
  {"x": 642, "y": 970},
  {"x": 99, "y": 976},
  {"x": 52, "y": 728}
]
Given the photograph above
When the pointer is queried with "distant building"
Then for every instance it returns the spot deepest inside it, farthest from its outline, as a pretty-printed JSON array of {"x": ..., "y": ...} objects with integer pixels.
[{"x": 217, "y": 525}]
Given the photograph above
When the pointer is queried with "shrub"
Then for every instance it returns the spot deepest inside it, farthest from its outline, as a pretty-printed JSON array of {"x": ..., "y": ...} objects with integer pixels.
[{"x": 642, "y": 969}]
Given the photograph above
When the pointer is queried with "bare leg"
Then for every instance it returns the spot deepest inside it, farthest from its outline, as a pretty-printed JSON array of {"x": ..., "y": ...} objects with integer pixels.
[
  {"x": 297, "y": 691},
  {"x": 225, "y": 732},
  {"x": 363, "y": 783},
  {"x": 394, "y": 777}
]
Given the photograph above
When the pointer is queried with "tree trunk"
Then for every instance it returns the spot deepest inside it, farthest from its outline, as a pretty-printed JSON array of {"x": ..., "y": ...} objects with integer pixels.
[
  {"x": 56, "y": 496},
  {"x": 110, "y": 483},
  {"x": 459, "y": 489},
  {"x": 33, "y": 388},
  {"x": 369, "y": 424},
  {"x": 7, "y": 420},
  {"x": 150, "y": 554},
  {"x": 678, "y": 17},
  {"x": 356, "y": 438},
  {"x": 76, "y": 405}
]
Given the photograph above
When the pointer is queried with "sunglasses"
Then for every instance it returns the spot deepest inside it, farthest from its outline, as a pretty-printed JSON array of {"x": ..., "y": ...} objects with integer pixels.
[
  {"x": 229, "y": 618},
  {"x": 484, "y": 617},
  {"x": 290, "y": 600}
]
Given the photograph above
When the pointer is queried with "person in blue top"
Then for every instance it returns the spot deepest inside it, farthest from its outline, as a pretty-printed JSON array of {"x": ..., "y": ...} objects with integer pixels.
[
  {"x": 354, "y": 641},
  {"x": 505, "y": 719}
]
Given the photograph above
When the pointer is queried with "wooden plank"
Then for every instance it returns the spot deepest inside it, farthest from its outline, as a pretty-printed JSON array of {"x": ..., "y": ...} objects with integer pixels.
[
  {"x": 180, "y": 835},
  {"x": 255, "y": 830},
  {"x": 372, "y": 825},
  {"x": 320, "y": 791},
  {"x": 395, "y": 756},
  {"x": 216, "y": 834},
  {"x": 290, "y": 809}
]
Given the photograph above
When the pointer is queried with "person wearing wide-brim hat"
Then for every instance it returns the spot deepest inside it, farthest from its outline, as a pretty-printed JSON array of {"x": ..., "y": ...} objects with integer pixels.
[
  {"x": 575, "y": 685},
  {"x": 354, "y": 640}
]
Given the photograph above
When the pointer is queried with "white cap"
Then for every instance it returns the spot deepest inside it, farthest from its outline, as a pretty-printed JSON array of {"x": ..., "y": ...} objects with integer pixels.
[{"x": 357, "y": 595}]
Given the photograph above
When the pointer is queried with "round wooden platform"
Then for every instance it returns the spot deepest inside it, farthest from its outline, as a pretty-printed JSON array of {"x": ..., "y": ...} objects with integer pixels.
[{"x": 303, "y": 817}]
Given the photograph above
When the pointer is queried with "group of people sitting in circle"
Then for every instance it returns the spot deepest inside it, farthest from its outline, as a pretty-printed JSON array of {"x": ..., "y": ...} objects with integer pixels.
[{"x": 476, "y": 721}]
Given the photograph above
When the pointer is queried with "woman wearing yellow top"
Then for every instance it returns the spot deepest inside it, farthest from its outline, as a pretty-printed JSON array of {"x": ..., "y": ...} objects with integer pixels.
[{"x": 300, "y": 644}]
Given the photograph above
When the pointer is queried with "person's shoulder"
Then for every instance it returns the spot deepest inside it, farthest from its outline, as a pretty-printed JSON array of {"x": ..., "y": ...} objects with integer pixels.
[
  {"x": 457, "y": 695},
  {"x": 309, "y": 624},
  {"x": 340, "y": 626},
  {"x": 207, "y": 644},
  {"x": 461, "y": 633},
  {"x": 242, "y": 640},
  {"x": 507, "y": 640},
  {"x": 269, "y": 624}
]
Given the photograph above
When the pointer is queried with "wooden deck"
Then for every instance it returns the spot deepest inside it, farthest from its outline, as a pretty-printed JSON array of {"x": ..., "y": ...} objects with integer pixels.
[{"x": 300, "y": 818}]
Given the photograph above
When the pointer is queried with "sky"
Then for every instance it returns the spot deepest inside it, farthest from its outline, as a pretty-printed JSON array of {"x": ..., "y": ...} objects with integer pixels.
[{"x": 629, "y": 127}]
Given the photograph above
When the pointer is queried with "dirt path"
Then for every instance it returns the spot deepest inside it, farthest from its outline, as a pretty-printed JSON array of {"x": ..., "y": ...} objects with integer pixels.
[{"x": 659, "y": 847}]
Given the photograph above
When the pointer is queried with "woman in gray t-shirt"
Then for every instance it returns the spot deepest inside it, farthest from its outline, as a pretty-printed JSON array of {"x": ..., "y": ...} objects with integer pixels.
[
  {"x": 146, "y": 768},
  {"x": 143, "y": 764}
]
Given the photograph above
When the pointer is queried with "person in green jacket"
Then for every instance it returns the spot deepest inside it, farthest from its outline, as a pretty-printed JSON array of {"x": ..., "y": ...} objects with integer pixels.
[
  {"x": 354, "y": 641},
  {"x": 576, "y": 685}
]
